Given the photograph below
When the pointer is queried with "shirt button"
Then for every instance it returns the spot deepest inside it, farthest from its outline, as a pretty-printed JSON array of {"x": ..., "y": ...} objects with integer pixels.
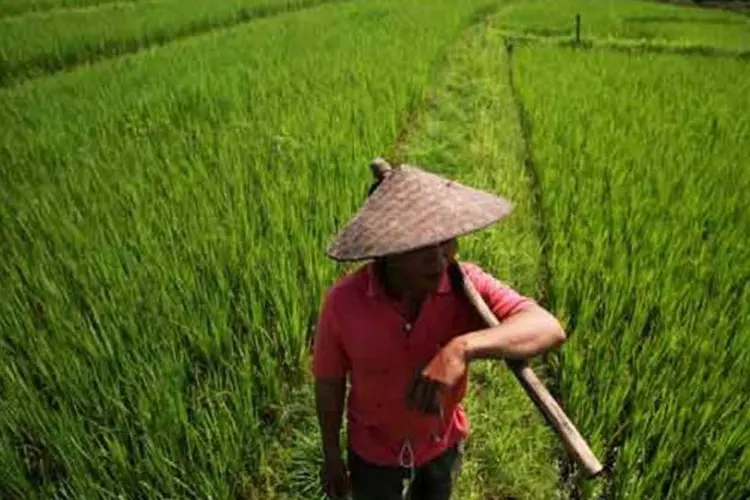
[{"x": 407, "y": 327}]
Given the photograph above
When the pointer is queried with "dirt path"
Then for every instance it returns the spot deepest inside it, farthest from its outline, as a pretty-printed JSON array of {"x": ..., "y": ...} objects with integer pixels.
[{"x": 470, "y": 130}]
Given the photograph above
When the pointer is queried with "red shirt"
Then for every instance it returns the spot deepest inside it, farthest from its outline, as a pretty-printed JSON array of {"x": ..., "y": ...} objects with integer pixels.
[{"x": 360, "y": 333}]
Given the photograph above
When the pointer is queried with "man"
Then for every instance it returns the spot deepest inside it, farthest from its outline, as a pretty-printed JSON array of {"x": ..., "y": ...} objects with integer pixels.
[{"x": 400, "y": 328}]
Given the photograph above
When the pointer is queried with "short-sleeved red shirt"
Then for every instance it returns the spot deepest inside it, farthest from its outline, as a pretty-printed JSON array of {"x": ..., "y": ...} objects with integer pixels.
[{"x": 360, "y": 333}]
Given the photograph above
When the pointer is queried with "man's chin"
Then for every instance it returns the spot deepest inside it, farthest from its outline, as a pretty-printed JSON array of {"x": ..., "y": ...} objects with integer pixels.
[{"x": 432, "y": 284}]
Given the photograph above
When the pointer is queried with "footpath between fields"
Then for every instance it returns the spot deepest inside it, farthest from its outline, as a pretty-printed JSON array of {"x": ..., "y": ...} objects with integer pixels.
[
  {"x": 466, "y": 126},
  {"x": 469, "y": 128}
]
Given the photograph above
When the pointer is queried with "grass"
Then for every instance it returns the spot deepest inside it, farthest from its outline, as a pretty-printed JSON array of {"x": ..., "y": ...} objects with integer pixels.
[
  {"x": 162, "y": 245},
  {"x": 632, "y": 20},
  {"x": 469, "y": 131},
  {"x": 38, "y": 45},
  {"x": 642, "y": 166}
]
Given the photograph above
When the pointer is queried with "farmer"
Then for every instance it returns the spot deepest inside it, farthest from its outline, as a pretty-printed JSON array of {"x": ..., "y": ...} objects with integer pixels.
[{"x": 401, "y": 330}]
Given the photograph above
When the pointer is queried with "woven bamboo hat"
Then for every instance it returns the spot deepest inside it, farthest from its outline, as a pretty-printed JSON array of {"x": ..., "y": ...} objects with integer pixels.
[{"x": 412, "y": 208}]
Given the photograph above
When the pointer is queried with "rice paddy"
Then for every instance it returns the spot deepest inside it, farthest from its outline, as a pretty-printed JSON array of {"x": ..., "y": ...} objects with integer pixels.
[
  {"x": 10, "y": 8},
  {"x": 35, "y": 45},
  {"x": 641, "y": 21},
  {"x": 649, "y": 258},
  {"x": 169, "y": 179}
]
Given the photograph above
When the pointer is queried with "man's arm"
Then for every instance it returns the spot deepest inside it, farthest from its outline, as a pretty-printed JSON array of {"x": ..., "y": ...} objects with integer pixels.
[
  {"x": 526, "y": 329},
  {"x": 330, "y": 396},
  {"x": 330, "y": 368},
  {"x": 526, "y": 333}
]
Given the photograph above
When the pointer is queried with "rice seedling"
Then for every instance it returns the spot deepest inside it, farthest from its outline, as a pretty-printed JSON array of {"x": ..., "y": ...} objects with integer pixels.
[
  {"x": 642, "y": 165},
  {"x": 36, "y": 45}
]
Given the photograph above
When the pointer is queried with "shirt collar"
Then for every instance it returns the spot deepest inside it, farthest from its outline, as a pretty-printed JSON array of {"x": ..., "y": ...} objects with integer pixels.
[{"x": 374, "y": 287}]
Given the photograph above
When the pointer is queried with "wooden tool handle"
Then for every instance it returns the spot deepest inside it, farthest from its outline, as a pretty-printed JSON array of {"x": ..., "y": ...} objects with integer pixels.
[{"x": 574, "y": 443}]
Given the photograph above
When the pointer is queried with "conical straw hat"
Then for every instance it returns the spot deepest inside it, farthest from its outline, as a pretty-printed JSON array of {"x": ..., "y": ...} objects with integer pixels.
[{"x": 412, "y": 208}]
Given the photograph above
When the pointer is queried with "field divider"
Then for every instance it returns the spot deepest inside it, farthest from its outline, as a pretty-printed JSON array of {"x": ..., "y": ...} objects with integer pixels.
[
  {"x": 624, "y": 45},
  {"x": 533, "y": 175},
  {"x": 48, "y": 10},
  {"x": 43, "y": 65},
  {"x": 470, "y": 126},
  {"x": 415, "y": 113},
  {"x": 552, "y": 361},
  {"x": 734, "y": 8}
]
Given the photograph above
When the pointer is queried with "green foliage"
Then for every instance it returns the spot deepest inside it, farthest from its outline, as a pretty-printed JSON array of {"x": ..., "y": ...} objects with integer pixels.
[
  {"x": 41, "y": 7},
  {"x": 642, "y": 164},
  {"x": 163, "y": 221},
  {"x": 32, "y": 46},
  {"x": 469, "y": 130},
  {"x": 163, "y": 217}
]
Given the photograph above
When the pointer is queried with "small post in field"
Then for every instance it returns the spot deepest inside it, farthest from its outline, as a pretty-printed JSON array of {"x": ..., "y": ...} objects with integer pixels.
[{"x": 578, "y": 28}]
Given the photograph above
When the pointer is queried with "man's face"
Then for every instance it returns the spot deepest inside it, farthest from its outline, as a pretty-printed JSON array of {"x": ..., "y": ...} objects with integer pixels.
[{"x": 422, "y": 268}]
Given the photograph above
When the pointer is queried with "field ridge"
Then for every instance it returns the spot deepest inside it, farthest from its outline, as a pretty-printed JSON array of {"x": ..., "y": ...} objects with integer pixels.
[
  {"x": 533, "y": 175},
  {"x": 41, "y": 65},
  {"x": 415, "y": 115},
  {"x": 48, "y": 10},
  {"x": 552, "y": 360},
  {"x": 625, "y": 45},
  {"x": 734, "y": 7},
  {"x": 469, "y": 130}
]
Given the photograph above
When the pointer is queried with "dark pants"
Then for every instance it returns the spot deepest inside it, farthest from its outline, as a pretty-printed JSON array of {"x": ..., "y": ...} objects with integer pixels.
[{"x": 433, "y": 480}]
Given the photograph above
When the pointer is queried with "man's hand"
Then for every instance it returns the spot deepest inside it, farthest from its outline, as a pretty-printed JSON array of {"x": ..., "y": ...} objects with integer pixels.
[
  {"x": 335, "y": 478},
  {"x": 448, "y": 365},
  {"x": 439, "y": 375},
  {"x": 527, "y": 333}
]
